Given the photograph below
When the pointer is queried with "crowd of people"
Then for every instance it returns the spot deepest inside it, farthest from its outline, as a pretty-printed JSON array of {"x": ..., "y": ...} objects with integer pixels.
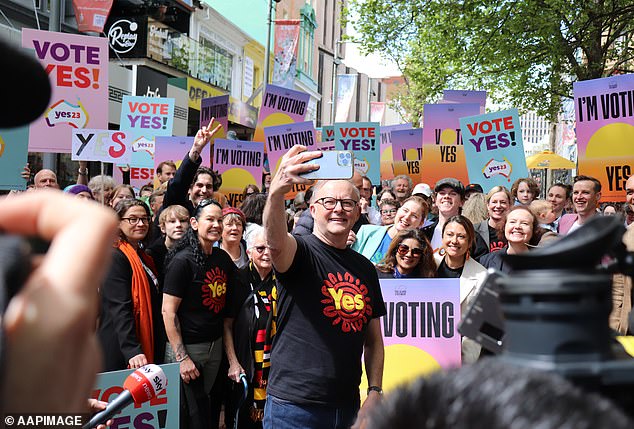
[
  {"x": 223, "y": 290},
  {"x": 286, "y": 295}
]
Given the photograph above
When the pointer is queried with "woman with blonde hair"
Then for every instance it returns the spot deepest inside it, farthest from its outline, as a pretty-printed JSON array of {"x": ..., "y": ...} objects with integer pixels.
[{"x": 498, "y": 202}]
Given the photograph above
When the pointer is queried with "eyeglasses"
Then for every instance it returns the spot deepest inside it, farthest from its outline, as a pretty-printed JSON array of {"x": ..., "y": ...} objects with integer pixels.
[
  {"x": 390, "y": 211},
  {"x": 136, "y": 220},
  {"x": 404, "y": 249},
  {"x": 260, "y": 249},
  {"x": 330, "y": 203}
]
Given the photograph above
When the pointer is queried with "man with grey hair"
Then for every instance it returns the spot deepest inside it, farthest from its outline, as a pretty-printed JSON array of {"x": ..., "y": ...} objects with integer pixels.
[
  {"x": 328, "y": 308},
  {"x": 402, "y": 187},
  {"x": 46, "y": 178}
]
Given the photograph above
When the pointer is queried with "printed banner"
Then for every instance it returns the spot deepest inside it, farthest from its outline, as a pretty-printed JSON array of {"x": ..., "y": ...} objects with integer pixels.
[
  {"x": 160, "y": 412},
  {"x": 346, "y": 84},
  {"x": 387, "y": 172},
  {"x": 328, "y": 133},
  {"x": 458, "y": 96},
  {"x": 14, "y": 144},
  {"x": 77, "y": 67},
  {"x": 443, "y": 151},
  {"x": 605, "y": 132},
  {"x": 285, "y": 63},
  {"x": 494, "y": 148},
  {"x": 279, "y": 139},
  {"x": 325, "y": 146},
  {"x": 91, "y": 15},
  {"x": 407, "y": 146},
  {"x": 101, "y": 145},
  {"x": 420, "y": 329},
  {"x": 146, "y": 118},
  {"x": 363, "y": 139},
  {"x": 240, "y": 164},
  {"x": 173, "y": 149},
  {"x": 280, "y": 106},
  {"x": 218, "y": 108},
  {"x": 377, "y": 111}
]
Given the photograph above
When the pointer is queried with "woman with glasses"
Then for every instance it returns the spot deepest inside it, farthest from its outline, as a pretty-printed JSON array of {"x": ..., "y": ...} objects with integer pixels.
[
  {"x": 409, "y": 256},
  {"x": 373, "y": 241},
  {"x": 130, "y": 328},
  {"x": 453, "y": 261},
  {"x": 198, "y": 277},
  {"x": 249, "y": 328},
  {"x": 388, "y": 209}
]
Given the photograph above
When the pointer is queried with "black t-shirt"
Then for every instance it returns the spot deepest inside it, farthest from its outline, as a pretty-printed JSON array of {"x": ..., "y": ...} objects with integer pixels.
[
  {"x": 203, "y": 292},
  {"x": 495, "y": 242},
  {"x": 325, "y": 301},
  {"x": 444, "y": 272}
]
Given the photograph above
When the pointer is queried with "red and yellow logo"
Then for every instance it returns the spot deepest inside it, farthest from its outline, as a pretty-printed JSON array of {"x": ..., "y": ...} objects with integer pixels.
[
  {"x": 214, "y": 290},
  {"x": 346, "y": 301}
]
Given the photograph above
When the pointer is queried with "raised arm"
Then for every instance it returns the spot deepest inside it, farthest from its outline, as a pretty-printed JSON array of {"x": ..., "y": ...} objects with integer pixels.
[
  {"x": 282, "y": 244},
  {"x": 178, "y": 186}
]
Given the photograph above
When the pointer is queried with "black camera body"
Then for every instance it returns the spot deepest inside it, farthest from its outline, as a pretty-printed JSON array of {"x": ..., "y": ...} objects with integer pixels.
[{"x": 552, "y": 311}]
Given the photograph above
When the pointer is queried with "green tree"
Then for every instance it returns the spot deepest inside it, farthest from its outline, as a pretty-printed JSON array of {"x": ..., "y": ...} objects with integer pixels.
[{"x": 526, "y": 53}]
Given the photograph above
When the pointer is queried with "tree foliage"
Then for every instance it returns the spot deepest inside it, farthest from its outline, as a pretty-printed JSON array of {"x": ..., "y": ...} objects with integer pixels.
[{"x": 526, "y": 53}]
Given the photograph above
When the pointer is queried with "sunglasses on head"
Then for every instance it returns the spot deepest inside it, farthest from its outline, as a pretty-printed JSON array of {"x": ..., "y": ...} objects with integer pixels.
[{"x": 404, "y": 249}]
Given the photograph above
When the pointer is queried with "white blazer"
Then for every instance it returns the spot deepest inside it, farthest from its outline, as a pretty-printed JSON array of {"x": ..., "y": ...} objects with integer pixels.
[{"x": 471, "y": 280}]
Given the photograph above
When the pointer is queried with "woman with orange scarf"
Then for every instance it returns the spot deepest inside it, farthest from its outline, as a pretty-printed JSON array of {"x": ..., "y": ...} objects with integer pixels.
[{"x": 131, "y": 328}]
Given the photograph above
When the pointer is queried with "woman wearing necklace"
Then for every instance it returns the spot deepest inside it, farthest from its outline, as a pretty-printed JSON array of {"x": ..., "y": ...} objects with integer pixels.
[
  {"x": 409, "y": 256},
  {"x": 233, "y": 224}
]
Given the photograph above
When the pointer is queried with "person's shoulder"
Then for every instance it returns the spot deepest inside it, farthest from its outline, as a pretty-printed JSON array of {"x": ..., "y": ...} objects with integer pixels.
[
  {"x": 474, "y": 267},
  {"x": 489, "y": 260},
  {"x": 369, "y": 230}
]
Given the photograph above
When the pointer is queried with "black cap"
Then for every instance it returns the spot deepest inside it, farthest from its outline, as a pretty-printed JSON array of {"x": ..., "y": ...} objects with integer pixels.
[
  {"x": 27, "y": 102},
  {"x": 450, "y": 182},
  {"x": 474, "y": 187}
]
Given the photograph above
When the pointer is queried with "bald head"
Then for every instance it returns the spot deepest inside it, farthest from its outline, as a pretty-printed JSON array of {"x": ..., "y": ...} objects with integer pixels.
[{"x": 45, "y": 179}]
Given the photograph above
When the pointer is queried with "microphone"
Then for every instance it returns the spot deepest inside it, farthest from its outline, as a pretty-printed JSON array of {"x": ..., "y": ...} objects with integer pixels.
[{"x": 139, "y": 387}]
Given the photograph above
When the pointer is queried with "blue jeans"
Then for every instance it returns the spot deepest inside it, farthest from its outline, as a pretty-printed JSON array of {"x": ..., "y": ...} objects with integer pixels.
[{"x": 281, "y": 414}]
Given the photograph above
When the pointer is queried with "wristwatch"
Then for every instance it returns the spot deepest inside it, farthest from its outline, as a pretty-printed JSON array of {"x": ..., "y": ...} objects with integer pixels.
[{"x": 377, "y": 389}]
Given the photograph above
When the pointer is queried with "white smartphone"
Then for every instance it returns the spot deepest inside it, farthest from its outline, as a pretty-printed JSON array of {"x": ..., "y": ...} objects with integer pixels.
[{"x": 333, "y": 164}]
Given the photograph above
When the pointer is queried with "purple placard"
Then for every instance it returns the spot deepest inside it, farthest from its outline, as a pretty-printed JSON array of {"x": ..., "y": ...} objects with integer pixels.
[
  {"x": 280, "y": 106},
  {"x": 407, "y": 152},
  {"x": 420, "y": 329},
  {"x": 279, "y": 139},
  {"x": 77, "y": 67},
  {"x": 240, "y": 164}
]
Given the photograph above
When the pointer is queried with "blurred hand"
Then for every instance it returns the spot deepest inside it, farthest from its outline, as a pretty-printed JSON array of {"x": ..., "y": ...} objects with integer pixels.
[{"x": 52, "y": 354}]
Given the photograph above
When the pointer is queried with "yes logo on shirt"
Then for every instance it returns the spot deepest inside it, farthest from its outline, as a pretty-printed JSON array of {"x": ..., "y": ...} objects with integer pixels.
[
  {"x": 346, "y": 302},
  {"x": 214, "y": 290}
]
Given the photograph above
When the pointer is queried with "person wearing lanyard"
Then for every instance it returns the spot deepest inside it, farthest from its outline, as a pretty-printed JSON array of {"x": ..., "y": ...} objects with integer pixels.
[{"x": 130, "y": 328}]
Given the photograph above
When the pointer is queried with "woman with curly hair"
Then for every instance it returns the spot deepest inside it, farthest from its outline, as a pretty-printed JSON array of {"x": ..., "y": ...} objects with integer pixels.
[
  {"x": 409, "y": 256},
  {"x": 197, "y": 279}
]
